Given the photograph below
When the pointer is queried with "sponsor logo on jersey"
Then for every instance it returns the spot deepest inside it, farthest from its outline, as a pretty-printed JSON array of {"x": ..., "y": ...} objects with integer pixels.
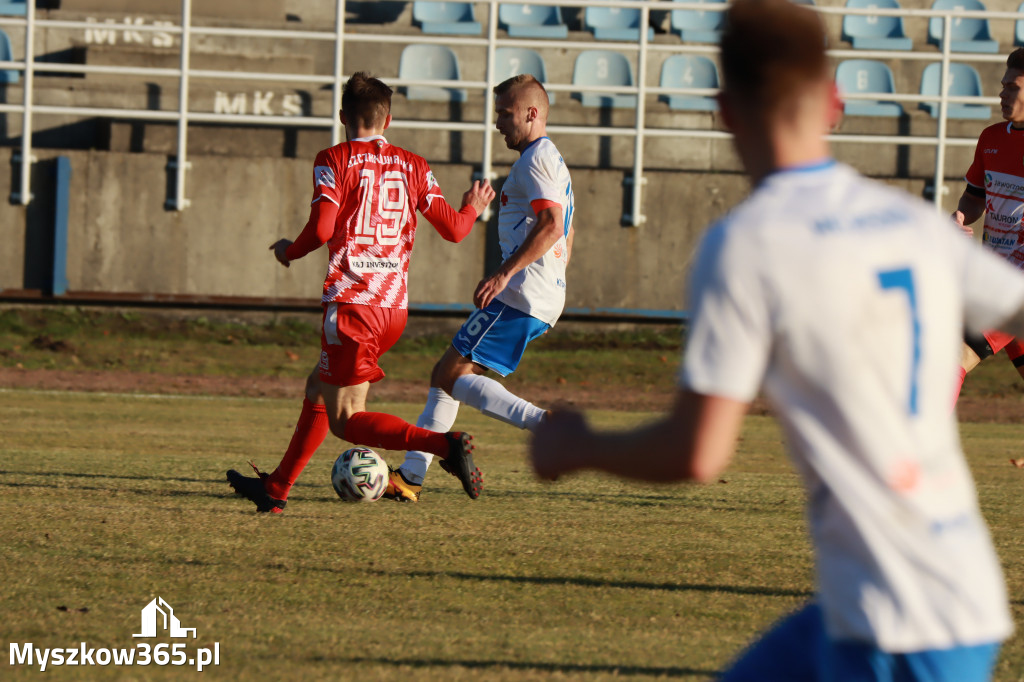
[
  {"x": 325, "y": 365},
  {"x": 370, "y": 264},
  {"x": 1004, "y": 183},
  {"x": 324, "y": 176},
  {"x": 999, "y": 241},
  {"x": 431, "y": 181},
  {"x": 1004, "y": 218}
]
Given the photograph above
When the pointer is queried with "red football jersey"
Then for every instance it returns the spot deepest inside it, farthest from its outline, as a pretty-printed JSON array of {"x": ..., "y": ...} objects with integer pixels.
[
  {"x": 999, "y": 169},
  {"x": 378, "y": 188}
]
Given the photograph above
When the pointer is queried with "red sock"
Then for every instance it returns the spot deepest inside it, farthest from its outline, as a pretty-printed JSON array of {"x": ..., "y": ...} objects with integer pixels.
[
  {"x": 379, "y": 430},
  {"x": 959, "y": 385},
  {"x": 310, "y": 432}
]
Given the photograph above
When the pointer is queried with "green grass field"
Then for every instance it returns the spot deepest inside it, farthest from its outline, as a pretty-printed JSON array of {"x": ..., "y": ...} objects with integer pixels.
[{"x": 111, "y": 500}]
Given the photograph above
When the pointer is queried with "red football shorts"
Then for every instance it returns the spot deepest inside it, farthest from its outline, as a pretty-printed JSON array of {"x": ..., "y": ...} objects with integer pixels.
[{"x": 353, "y": 339}]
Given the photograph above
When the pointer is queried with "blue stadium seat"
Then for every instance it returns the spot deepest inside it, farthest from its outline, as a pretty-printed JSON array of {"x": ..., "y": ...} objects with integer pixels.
[
  {"x": 6, "y": 55},
  {"x": 448, "y": 18},
  {"x": 862, "y": 76},
  {"x": 614, "y": 23},
  {"x": 603, "y": 68},
  {"x": 698, "y": 26},
  {"x": 689, "y": 71},
  {"x": 512, "y": 61},
  {"x": 964, "y": 81},
  {"x": 968, "y": 35},
  {"x": 532, "y": 21},
  {"x": 430, "y": 62},
  {"x": 872, "y": 32},
  {"x": 16, "y": 8}
]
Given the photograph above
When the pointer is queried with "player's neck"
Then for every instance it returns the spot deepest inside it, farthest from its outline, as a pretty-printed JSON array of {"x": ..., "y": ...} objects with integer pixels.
[
  {"x": 362, "y": 133},
  {"x": 525, "y": 144}
]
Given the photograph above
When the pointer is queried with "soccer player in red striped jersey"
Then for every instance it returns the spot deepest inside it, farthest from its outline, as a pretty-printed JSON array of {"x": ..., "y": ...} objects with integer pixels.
[
  {"x": 366, "y": 192},
  {"x": 995, "y": 190}
]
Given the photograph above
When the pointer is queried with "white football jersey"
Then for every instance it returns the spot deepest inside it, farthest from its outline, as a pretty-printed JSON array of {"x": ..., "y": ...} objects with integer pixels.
[
  {"x": 539, "y": 174},
  {"x": 846, "y": 300}
]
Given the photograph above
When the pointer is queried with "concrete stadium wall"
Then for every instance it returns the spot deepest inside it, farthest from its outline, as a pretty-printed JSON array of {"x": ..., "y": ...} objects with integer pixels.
[
  {"x": 249, "y": 185},
  {"x": 123, "y": 240}
]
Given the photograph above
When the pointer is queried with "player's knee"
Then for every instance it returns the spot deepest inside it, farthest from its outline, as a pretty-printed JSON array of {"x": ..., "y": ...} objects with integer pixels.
[
  {"x": 337, "y": 424},
  {"x": 313, "y": 391},
  {"x": 442, "y": 376}
]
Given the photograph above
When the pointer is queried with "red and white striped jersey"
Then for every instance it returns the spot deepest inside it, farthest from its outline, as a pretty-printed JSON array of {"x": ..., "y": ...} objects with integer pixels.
[
  {"x": 998, "y": 168},
  {"x": 378, "y": 188}
]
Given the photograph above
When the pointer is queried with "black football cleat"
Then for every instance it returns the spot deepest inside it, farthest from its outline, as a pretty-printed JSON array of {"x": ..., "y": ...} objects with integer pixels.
[
  {"x": 459, "y": 463},
  {"x": 253, "y": 490}
]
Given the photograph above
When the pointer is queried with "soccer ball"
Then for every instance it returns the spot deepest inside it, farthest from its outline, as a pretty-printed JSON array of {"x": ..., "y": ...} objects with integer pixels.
[{"x": 360, "y": 475}]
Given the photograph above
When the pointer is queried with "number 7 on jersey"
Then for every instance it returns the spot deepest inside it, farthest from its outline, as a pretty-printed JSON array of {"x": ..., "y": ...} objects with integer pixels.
[{"x": 903, "y": 279}]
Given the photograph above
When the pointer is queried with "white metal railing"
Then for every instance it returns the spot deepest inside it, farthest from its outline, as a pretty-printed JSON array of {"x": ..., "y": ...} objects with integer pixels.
[{"x": 642, "y": 48}]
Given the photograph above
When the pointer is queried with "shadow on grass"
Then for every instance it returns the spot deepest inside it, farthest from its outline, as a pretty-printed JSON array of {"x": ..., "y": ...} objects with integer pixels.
[
  {"x": 564, "y": 668},
  {"x": 71, "y": 475},
  {"x": 597, "y": 582}
]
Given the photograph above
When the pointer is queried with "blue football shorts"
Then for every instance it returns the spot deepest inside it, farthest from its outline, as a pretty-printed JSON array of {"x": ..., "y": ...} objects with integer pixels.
[
  {"x": 797, "y": 649},
  {"x": 496, "y": 337}
]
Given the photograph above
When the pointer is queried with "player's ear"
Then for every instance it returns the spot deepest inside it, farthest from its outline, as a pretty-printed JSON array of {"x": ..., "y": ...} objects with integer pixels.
[
  {"x": 387, "y": 122},
  {"x": 835, "y": 107},
  {"x": 342, "y": 117}
]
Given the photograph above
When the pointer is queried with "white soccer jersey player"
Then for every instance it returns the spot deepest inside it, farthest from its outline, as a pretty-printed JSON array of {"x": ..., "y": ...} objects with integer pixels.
[
  {"x": 539, "y": 177},
  {"x": 844, "y": 301}
]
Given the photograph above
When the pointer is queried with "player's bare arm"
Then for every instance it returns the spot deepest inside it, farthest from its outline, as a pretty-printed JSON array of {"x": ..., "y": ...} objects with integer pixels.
[
  {"x": 546, "y": 231},
  {"x": 970, "y": 207},
  {"x": 693, "y": 442},
  {"x": 568, "y": 243}
]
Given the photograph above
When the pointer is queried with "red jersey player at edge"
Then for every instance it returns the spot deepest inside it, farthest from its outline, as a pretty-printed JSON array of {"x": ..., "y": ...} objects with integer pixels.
[
  {"x": 365, "y": 196},
  {"x": 995, "y": 189}
]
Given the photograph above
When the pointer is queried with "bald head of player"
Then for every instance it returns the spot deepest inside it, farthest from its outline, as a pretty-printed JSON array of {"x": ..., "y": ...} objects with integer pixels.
[
  {"x": 365, "y": 106},
  {"x": 521, "y": 106},
  {"x": 778, "y": 98}
]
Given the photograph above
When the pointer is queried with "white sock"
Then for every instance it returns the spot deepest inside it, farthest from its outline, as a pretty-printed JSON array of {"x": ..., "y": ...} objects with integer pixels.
[
  {"x": 438, "y": 415},
  {"x": 494, "y": 400}
]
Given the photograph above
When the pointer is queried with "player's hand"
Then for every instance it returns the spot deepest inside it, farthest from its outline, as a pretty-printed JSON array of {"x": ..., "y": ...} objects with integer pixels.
[
  {"x": 279, "y": 247},
  {"x": 479, "y": 196},
  {"x": 488, "y": 289},
  {"x": 558, "y": 445},
  {"x": 958, "y": 219}
]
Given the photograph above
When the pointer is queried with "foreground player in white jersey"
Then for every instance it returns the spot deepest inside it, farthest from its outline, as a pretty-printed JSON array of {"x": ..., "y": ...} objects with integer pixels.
[
  {"x": 525, "y": 295},
  {"x": 844, "y": 300}
]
